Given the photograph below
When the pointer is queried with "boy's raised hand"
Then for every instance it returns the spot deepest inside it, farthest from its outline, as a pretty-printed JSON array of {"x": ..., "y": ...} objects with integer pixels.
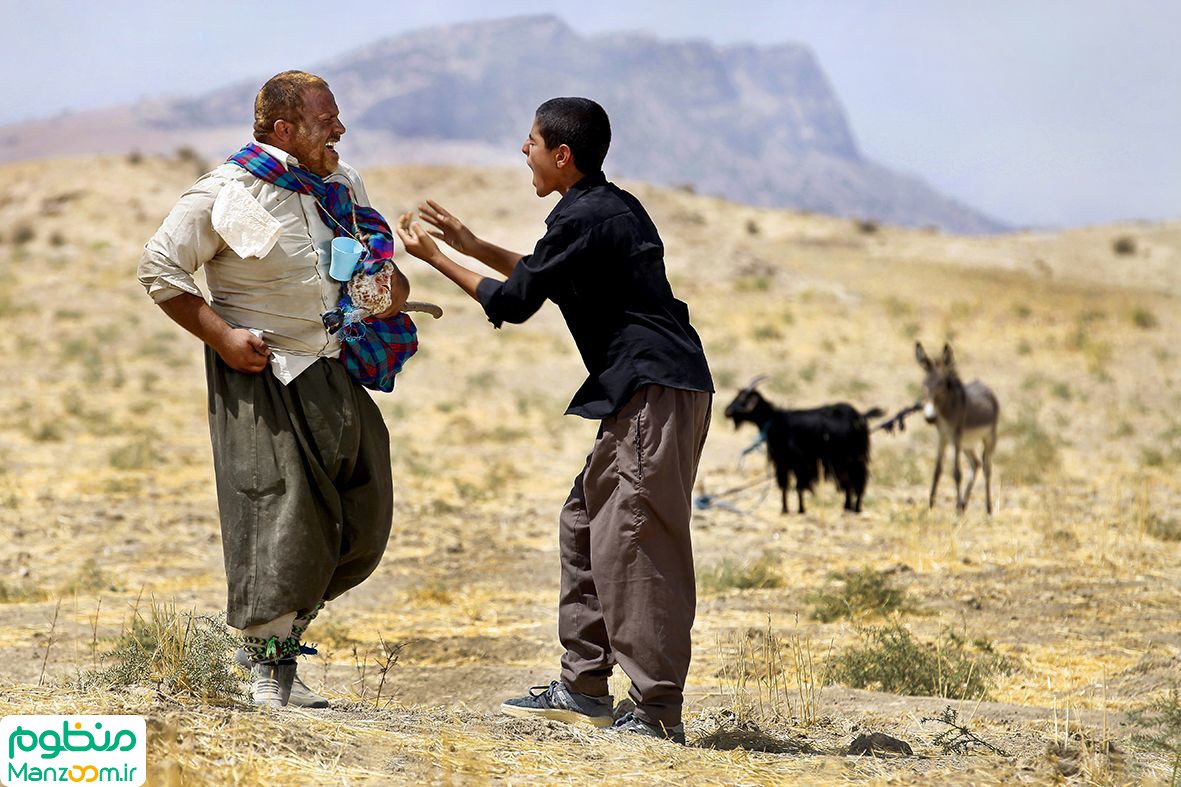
[
  {"x": 448, "y": 229},
  {"x": 416, "y": 240}
]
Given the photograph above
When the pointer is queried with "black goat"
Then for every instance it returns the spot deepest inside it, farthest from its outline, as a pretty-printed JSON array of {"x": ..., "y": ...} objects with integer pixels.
[{"x": 833, "y": 440}]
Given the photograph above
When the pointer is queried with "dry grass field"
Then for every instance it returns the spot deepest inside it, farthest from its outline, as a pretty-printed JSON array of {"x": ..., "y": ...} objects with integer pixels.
[{"x": 1042, "y": 626}]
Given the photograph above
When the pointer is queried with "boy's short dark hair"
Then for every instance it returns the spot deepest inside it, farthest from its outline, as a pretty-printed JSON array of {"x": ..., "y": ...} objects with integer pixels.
[{"x": 580, "y": 124}]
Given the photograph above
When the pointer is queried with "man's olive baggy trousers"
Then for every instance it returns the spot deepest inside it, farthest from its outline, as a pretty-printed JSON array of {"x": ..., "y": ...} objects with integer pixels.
[{"x": 304, "y": 487}]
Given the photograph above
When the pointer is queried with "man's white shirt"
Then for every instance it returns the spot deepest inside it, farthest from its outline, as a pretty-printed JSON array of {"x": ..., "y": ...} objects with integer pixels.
[{"x": 282, "y": 294}]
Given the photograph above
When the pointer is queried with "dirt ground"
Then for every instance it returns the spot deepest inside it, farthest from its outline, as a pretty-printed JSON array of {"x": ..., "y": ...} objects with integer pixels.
[{"x": 107, "y": 500}]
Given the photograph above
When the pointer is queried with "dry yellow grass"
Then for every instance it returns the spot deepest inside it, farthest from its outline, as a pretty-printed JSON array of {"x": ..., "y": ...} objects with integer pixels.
[{"x": 106, "y": 493}]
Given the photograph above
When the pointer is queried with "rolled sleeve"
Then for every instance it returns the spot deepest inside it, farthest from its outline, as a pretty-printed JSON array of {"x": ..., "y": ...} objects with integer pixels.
[
  {"x": 534, "y": 278},
  {"x": 185, "y": 241},
  {"x": 486, "y": 292}
]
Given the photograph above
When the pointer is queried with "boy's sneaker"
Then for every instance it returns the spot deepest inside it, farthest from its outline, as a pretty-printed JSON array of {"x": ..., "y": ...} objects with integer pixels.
[
  {"x": 270, "y": 684},
  {"x": 300, "y": 697},
  {"x": 629, "y": 723},
  {"x": 557, "y": 702}
]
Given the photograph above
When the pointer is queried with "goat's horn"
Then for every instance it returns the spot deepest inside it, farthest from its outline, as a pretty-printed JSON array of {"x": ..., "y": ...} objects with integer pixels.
[
  {"x": 422, "y": 306},
  {"x": 755, "y": 381}
]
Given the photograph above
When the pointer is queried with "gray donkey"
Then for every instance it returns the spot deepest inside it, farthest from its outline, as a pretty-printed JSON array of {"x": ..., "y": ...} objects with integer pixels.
[{"x": 964, "y": 415}]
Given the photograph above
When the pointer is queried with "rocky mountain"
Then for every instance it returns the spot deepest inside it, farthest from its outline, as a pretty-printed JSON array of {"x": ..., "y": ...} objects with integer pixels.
[{"x": 759, "y": 125}]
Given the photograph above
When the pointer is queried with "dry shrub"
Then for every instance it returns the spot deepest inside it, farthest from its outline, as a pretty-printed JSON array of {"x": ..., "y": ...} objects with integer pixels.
[
  {"x": 87, "y": 579},
  {"x": 752, "y": 283},
  {"x": 864, "y": 592},
  {"x": 1124, "y": 245},
  {"x": 189, "y": 155},
  {"x": 1032, "y": 452},
  {"x": 1152, "y": 457},
  {"x": 763, "y": 673},
  {"x": 1082, "y": 760},
  {"x": 737, "y": 575},
  {"x": 889, "y": 659},
  {"x": 23, "y": 233},
  {"x": 956, "y": 738},
  {"x": 49, "y": 431},
  {"x": 1144, "y": 318},
  {"x": 18, "y": 594},
  {"x": 1158, "y": 726},
  {"x": 435, "y": 592},
  {"x": 178, "y": 654},
  {"x": 1162, "y": 528},
  {"x": 766, "y": 333},
  {"x": 140, "y": 453}
]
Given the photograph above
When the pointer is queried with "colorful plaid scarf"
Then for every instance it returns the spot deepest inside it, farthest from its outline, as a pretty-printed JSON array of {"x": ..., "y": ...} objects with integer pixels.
[{"x": 383, "y": 346}]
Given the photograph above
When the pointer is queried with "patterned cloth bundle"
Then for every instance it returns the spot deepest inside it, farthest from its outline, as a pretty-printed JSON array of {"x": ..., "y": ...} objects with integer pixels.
[{"x": 375, "y": 349}]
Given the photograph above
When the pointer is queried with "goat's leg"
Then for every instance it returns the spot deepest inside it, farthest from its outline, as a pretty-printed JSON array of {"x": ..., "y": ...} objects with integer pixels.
[
  {"x": 974, "y": 465},
  {"x": 849, "y": 487},
  {"x": 862, "y": 477},
  {"x": 939, "y": 452},
  {"x": 784, "y": 480},
  {"x": 800, "y": 495},
  {"x": 844, "y": 483}
]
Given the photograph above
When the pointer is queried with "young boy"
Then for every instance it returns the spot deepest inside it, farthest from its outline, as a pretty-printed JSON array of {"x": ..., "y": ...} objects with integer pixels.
[{"x": 627, "y": 588}]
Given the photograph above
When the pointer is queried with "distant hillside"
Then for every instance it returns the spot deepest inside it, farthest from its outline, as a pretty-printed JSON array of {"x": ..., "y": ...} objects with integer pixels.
[{"x": 759, "y": 125}]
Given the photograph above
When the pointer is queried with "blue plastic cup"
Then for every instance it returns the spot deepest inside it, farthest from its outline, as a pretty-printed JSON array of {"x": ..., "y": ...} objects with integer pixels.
[{"x": 345, "y": 253}]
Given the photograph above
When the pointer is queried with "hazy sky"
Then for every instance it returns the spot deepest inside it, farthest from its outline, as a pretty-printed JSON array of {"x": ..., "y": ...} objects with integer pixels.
[{"x": 1036, "y": 112}]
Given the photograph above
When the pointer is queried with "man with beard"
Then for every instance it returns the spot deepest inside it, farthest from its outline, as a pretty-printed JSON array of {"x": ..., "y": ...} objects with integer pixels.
[{"x": 301, "y": 454}]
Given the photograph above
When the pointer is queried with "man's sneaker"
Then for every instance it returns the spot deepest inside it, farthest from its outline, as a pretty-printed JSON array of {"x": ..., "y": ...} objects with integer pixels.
[
  {"x": 270, "y": 684},
  {"x": 301, "y": 696},
  {"x": 629, "y": 723},
  {"x": 557, "y": 702}
]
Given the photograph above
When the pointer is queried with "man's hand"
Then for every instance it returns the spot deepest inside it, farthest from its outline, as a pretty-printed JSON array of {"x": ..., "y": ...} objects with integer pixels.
[
  {"x": 447, "y": 228},
  {"x": 415, "y": 239},
  {"x": 243, "y": 351},
  {"x": 238, "y": 347}
]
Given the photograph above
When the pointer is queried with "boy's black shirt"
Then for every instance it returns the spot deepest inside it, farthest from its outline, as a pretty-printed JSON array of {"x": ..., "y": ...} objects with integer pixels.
[{"x": 602, "y": 262}]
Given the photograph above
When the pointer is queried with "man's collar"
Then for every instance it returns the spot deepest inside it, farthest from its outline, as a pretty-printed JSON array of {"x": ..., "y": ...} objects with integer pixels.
[
  {"x": 290, "y": 161},
  {"x": 574, "y": 192},
  {"x": 284, "y": 157}
]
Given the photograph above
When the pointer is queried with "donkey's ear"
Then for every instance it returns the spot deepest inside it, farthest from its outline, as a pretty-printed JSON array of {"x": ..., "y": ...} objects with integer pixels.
[
  {"x": 921, "y": 356},
  {"x": 948, "y": 360}
]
